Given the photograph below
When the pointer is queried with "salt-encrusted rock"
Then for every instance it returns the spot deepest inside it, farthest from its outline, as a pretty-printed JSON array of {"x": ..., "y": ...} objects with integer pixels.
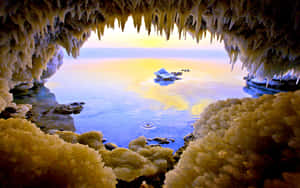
[
  {"x": 42, "y": 113},
  {"x": 188, "y": 137},
  {"x": 73, "y": 108},
  {"x": 52, "y": 67},
  {"x": 161, "y": 140}
]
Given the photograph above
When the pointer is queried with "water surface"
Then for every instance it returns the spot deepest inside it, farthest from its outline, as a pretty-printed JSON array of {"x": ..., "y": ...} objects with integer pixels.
[{"x": 121, "y": 96}]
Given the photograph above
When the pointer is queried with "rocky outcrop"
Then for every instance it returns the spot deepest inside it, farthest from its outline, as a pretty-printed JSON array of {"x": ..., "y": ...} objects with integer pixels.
[{"x": 46, "y": 113}]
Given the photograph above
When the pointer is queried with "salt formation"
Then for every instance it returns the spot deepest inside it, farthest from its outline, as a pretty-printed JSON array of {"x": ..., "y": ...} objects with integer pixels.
[
  {"x": 139, "y": 160},
  {"x": 52, "y": 65},
  {"x": 242, "y": 143},
  {"x": 127, "y": 164},
  {"x": 30, "y": 158},
  {"x": 264, "y": 34}
]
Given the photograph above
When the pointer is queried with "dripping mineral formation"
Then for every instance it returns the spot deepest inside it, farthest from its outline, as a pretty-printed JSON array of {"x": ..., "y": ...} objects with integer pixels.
[{"x": 238, "y": 141}]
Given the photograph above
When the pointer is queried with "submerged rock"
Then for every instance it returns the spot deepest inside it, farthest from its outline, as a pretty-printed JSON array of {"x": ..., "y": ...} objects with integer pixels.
[
  {"x": 110, "y": 146},
  {"x": 161, "y": 140}
]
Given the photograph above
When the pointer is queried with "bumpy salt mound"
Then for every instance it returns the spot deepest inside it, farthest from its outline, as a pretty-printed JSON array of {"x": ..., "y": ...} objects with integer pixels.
[
  {"x": 161, "y": 157},
  {"x": 247, "y": 142},
  {"x": 29, "y": 158},
  {"x": 128, "y": 164},
  {"x": 67, "y": 136},
  {"x": 93, "y": 139},
  {"x": 139, "y": 160}
]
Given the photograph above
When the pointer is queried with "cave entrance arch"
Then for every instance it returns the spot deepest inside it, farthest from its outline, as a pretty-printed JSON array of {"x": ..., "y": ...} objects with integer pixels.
[{"x": 115, "y": 77}]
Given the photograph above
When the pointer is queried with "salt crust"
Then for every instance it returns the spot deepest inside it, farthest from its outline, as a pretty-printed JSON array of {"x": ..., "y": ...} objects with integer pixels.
[
  {"x": 243, "y": 143},
  {"x": 128, "y": 164},
  {"x": 30, "y": 158}
]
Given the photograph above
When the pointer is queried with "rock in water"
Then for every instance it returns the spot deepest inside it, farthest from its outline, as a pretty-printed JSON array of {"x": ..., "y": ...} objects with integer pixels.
[
  {"x": 110, "y": 146},
  {"x": 73, "y": 108}
]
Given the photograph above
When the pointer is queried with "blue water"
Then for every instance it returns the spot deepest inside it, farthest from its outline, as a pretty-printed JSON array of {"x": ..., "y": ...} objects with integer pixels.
[{"x": 121, "y": 95}]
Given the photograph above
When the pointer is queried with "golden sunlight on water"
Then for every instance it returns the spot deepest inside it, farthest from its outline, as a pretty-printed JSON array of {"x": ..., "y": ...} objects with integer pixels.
[{"x": 193, "y": 93}]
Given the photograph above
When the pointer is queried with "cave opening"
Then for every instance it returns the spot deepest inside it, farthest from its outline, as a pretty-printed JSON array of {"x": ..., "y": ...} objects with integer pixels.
[{"x": 124, "y": 99}]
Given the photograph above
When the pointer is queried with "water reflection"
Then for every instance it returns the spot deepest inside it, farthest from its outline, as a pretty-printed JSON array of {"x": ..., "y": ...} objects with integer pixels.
[
  {"x": 43, "y": 102},
  {"x": 257, "y": 88},
  {"x": 164, "y": 82},
  {"x": 257, "y": 92},
  {"x": 121, "y": 97}
]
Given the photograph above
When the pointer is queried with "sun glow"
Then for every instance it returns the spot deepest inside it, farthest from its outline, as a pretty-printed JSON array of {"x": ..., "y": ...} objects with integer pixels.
[
  {"x": 115, "y": 38},
  {"x": 196, "y": 90}
]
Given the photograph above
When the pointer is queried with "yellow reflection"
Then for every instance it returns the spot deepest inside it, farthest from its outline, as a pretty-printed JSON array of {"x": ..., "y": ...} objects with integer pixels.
[
  {"x": 137, "y": 75},
  {"x": 168, "y": 100}
]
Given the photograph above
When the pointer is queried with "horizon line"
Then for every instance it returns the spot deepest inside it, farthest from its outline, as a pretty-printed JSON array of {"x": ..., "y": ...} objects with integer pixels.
[{"x": 149, "y": 53}]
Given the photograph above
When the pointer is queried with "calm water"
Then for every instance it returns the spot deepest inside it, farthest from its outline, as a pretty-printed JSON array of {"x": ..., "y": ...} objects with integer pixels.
[{"x": 121, "y": 96}]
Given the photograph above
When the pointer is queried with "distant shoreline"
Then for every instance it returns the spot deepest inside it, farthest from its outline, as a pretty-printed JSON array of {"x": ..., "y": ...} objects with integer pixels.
[{"x": 149, "y": 53}]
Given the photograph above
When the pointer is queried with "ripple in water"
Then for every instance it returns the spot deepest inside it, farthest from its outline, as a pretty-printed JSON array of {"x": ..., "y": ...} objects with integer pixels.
[{"x": 148, "y": 125}]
